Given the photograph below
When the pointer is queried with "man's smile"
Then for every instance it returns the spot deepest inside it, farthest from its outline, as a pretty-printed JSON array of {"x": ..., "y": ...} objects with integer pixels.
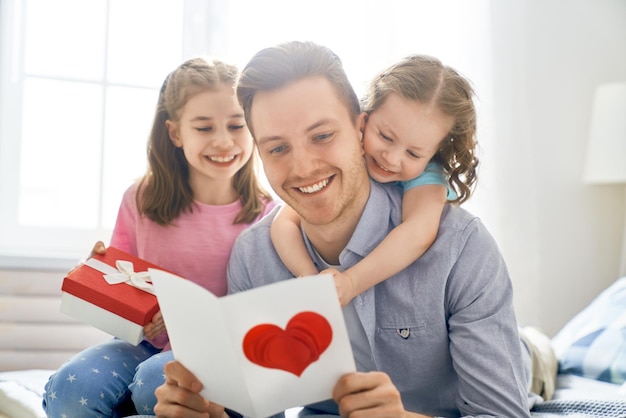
[{"x": 316, "y": 187}]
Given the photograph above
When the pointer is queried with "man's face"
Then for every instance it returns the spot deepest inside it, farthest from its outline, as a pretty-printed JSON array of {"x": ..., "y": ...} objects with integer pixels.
[{"x": 311, "y": 150}]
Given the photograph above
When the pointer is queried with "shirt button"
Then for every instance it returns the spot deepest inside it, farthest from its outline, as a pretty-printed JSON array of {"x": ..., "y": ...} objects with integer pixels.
[{"x": 404, "y": 333}]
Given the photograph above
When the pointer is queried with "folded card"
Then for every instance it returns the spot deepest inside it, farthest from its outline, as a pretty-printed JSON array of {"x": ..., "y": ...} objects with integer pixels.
[{"x": 261, "y": 351}]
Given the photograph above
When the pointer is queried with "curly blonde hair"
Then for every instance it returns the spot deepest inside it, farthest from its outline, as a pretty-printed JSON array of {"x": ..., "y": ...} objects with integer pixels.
[{"x": 427, "y": 80}]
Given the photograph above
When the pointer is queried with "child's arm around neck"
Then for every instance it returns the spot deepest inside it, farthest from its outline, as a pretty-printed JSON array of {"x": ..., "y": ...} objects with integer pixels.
[
  {"x": 287, "y": 239},
  {"x": 421, "y": 211}
]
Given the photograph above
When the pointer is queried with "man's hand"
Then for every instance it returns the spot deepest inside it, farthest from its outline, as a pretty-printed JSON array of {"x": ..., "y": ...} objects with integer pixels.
[
  {"x": 369, "y": 395},
  {"x": 180, "y": 396},
  {"x": 155, "y": 327}
]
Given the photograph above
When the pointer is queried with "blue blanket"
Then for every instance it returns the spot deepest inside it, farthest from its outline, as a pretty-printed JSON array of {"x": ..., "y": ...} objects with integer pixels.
[{"x": 581, "y": 408}]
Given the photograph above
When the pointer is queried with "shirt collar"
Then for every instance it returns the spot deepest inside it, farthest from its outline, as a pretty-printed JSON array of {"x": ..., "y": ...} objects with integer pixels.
[
  {"x": 381, "y": 214},
  {"x": 378, "y": 218}
]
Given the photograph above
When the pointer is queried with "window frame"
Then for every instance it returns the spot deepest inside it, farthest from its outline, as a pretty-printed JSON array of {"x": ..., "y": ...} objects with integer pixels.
[
  {"x": 211, "y": 30},
  {"x": 21, "y": 247}
]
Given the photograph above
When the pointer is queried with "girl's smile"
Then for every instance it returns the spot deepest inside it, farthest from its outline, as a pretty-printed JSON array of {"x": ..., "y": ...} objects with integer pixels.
[
  {"x": 379, "y": 168},
  {"x": 401, "y": 136},
  {"x": 214, "y": 138},
  {"x": 221, "y": 159}
]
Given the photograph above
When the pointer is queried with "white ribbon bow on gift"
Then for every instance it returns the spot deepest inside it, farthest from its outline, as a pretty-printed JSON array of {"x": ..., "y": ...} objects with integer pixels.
[{"x": 125, "y": 273}]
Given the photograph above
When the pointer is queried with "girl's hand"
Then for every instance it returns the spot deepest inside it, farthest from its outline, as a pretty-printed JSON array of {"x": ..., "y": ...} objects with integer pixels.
[
  {"x": 344, "y": 285},
  {"x": 98, "y": 248},
  {"x": 154, "y": 327}
]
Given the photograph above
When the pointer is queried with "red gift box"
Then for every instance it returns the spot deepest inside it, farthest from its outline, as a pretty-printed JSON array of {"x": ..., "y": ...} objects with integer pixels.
[{"x": 119, "y": 309}]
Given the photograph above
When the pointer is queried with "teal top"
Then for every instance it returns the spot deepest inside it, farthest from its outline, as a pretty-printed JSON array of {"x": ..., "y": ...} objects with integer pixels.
[{"x": 432, "y": 174}]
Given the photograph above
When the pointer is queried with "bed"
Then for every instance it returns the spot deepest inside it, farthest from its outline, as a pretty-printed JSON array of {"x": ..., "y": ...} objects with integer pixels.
[
  {"x": 35, "y": 338},
  {"x": 591, "y": 349}
]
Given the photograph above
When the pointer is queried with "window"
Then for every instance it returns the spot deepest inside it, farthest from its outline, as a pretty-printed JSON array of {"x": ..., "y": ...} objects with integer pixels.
[{"x": 79, "y": 83}]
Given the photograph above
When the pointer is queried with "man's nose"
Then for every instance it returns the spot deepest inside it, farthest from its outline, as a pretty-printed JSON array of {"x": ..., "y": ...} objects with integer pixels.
[{"x": 302, "y": 160}]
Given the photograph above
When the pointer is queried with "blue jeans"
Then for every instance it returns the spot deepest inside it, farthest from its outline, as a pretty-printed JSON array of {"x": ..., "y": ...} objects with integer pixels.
[{"x": 113, "y": 379}]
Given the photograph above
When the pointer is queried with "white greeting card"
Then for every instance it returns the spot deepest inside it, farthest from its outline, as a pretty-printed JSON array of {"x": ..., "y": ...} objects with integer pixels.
[{"x": 261, "y": 351}]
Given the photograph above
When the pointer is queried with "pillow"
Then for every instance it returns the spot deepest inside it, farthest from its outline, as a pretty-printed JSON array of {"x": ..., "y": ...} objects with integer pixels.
[{"x": 593, "y": 343}]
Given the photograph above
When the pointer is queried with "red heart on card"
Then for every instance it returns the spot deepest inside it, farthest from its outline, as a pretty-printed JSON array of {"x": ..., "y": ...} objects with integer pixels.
[{"x": 306, "y": 336}]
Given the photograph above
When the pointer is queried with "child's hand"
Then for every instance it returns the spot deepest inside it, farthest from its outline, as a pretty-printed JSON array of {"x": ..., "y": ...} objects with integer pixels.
[
  {"x": 155, "y": 327},
  {"x": 344, "y": 285},
  {"x": 98, "y": 248},
  {"x": 308, "y": 272}
]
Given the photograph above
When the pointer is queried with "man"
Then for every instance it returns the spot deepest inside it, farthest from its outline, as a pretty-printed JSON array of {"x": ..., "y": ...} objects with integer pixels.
[{"x": 439, "y": 338}]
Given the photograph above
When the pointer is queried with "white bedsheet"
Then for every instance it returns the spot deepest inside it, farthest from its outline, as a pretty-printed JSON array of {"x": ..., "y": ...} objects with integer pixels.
[
  {"x": 571, "y": 387},
  {"x": 21, "y": 392}
]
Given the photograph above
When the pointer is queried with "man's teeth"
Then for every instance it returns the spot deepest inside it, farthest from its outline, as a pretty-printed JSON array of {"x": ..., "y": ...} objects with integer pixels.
[
  {"x": 315, "y": 187},
  {"x": 222, "y": 159}
]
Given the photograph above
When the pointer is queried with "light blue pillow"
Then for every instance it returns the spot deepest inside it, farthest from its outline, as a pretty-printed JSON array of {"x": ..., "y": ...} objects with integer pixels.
[{"x": 593, "y": 343}]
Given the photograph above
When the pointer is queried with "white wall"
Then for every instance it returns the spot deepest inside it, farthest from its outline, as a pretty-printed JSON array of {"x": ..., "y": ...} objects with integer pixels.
[
  {"x": 33, "y": 331},
  {"x": 561, "y": 239}
]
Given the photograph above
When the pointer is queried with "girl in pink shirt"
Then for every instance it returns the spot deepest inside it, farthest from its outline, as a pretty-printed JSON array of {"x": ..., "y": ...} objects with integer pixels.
[{"x": 199, "y": 193}]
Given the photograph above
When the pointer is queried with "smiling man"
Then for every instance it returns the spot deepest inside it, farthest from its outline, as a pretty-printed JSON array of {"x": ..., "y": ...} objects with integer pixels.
[
  {"x": 313, "y": 162},
  {"x": 426, "y": 341}
]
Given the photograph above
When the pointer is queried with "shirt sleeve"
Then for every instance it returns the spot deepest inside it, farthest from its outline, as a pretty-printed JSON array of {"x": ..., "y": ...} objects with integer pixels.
[
  {"x": 432, "y": 174},
  {"x": 484, "y": 340},
  {"x": 125, "y": 231}
]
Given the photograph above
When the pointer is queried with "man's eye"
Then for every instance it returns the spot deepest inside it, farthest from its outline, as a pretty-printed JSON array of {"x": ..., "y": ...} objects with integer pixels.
[
  {"x": 323, "y": 137},
  {"x": 277, "y": 150}
]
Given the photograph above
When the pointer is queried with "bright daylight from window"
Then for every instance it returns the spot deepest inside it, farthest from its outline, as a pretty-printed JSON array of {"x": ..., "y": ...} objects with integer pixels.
[{"x": 80, "y": 80}]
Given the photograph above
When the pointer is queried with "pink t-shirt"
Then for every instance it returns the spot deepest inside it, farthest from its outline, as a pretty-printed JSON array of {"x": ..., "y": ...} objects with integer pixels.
[{"x": 197, "y": 247}]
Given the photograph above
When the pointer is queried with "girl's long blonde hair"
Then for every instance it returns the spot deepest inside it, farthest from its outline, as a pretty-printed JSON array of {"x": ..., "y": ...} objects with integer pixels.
[{"x": 164, "y": 191}]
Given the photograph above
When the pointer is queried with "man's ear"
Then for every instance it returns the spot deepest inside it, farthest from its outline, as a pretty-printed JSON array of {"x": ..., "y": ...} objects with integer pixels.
[
  {"x": 172, "y": 129},
  {"x": 361, "y": 120}
]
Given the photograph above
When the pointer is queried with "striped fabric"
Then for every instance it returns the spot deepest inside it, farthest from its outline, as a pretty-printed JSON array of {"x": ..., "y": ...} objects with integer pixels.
[
  {"x": 581, "y": 408},
  {"x": 593, "y": 343}
]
